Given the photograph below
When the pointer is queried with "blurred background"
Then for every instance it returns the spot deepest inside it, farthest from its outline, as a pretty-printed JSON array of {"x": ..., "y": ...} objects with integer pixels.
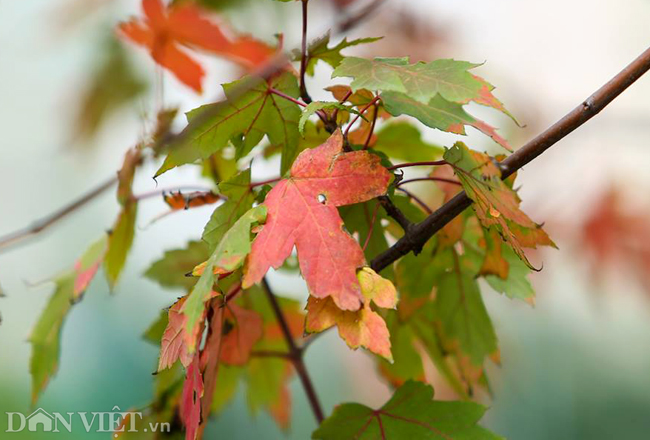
[{"x": 73, "y": 100}]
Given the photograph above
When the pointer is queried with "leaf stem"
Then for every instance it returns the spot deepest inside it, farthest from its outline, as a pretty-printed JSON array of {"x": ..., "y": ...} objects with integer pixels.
[
  {"x": 372, "y": 226},
  {"x": 363, "y": 110},
  {"x": 430, "y": 179},
  {"x": 303, "y": 59},
  {"x": 417, "y": 200},
  {"x": 372, "y": 127},
  {"x": 265, "y": 182},
  {"x": 335, "y": 113},
  {"x": 295, "y": 354},
  {"x": 287, "y": 97},
  {"x": 418, "y": 164}
]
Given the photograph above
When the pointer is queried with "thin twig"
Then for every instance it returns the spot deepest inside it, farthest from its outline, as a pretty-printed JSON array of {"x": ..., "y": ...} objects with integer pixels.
[
  {"x": 417, "y": 200},
  {"x": 363, "y": 110},
  {"x": 418, "y": 235},
  {"x": 430, "y": 179},
  {"x": 265, "y": 182},
  {"x": 372, "y": 225},
  {"x": 335, "y": 113},
  {"x": 287, "y": 97},
  {"x": 360, "y": 15},
  {"x": 18, "y": 236},
  {"x": 303, "y": 59},
  {"x": 418, "y": 164},
  {"x": 295, "y": 354},
  {"x": 372, "y": 127},
  {"x": 394, "y": 212}
]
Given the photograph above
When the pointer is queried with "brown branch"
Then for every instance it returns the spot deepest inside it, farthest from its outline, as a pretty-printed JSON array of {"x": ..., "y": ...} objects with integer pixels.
[
  {"x": 40, "y": 225},
  {"x": 417, "y": 236},
  {"x": 295, "y": 354},
  {"x": 395, "y": 213},
  {"x": 303, "y": 59}
]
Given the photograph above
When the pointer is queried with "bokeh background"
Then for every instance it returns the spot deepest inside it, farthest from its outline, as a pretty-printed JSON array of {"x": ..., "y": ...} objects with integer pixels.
[{"x": 576, "y": 366}]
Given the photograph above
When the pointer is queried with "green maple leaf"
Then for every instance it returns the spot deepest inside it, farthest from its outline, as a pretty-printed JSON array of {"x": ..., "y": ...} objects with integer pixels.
[
  {"x": 45, "y": 338},
  {"x": 409, "y": 414},
  {"x": 403, "y": 141},
  {"x": 252, "y": 115},
  {"x": 239, "y": 200},
  {"x": 461, "y": 314},
  {"x": 438, "y": 113},
  {"x": 170, "y": 270},
  {"x": 315, "y": 106},
  {"x": 119, "y": 242},
  {"x": 421, "y": 81},
  {"x": 227, "y": 257},
  {"x": 319, "y": 50}
]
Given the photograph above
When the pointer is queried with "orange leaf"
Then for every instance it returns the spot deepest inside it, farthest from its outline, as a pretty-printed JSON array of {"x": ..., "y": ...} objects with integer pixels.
[
  {"x": 164, "y": 30},
  {"x": 172, "y": 345},
  {"x": 242, "y": 328}
]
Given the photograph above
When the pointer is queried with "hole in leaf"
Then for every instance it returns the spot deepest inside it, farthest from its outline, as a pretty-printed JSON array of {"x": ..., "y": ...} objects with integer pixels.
[{"x": 322, "y": 199}]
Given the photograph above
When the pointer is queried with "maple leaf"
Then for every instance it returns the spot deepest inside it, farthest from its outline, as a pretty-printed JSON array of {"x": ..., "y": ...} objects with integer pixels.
[
  {"x": 439, "y": 113},
  {"x": 190, "y": 405},
  {"x": 165, "y": 30},
  {"x": 239, "y": 199},
  {"x": 495, "y": 203},
  {"x": 228, "y": 256},
  {"x": 615, "y": 233},
  {"x": 172, "y": 343},
  {"x": 120, "y": 240},
  {"x": 112, "y": 87},
  {"x": 170, "y": 270},
  {"x": 302, "y": 212},
  {"x": 45, "y": 337},
  {"x": 461, "y": 314},
  {"x": 241, "y": 330},
  {"x": 319, "y": 50},
  {"x": 401, "y": 140},
  {"x": 433, "y": 92},
  {"x": 363, "y": 328},
  {"x": 421, "y": 81},
  {"x": 87, "y": 266},
  {"x": 252, "y": 115},
  {"x": 410, "y": 413}
]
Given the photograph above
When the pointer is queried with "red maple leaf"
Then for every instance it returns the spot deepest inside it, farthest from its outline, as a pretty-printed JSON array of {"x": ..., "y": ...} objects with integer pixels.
[
  {"x": 164, "y": 30},
  {"x": 190, "y": 406},
  {"x": 301, "y": 211}
]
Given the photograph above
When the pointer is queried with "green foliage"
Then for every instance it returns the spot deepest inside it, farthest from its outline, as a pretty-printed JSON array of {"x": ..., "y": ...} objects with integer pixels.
[
  {"x": 320, "y": 50},
  {"x": 119, "y": 243},
  {"x": 420, "y": 81},
  {"x": 251, "y": 115},
  {"x": 171, "y": 269},
  {"x": 410, "y": 413},
  {"x": 239, "y": 200}
]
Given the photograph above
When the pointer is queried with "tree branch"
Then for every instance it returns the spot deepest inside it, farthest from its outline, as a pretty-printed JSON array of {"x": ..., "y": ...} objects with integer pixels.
[
  {"x": 395, "y": 213},
  {"x": 45, "y": 222},
  {"x": 303, "y": 59},
  {"x": 295, "y": 354},
  {"x": 418, "y": 235}
]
